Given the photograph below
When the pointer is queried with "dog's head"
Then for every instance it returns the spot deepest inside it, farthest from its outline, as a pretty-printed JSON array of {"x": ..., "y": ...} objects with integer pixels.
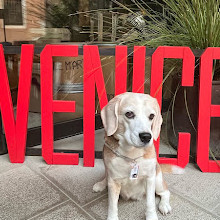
[{"x": 134, "y": 118}]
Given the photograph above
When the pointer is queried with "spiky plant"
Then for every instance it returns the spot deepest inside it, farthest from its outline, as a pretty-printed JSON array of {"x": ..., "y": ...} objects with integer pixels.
[{"x": 193, "y": 23}]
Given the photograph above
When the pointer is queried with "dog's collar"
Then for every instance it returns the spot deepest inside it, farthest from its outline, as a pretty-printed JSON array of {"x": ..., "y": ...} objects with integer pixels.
[{"x": 133, "y": 160}]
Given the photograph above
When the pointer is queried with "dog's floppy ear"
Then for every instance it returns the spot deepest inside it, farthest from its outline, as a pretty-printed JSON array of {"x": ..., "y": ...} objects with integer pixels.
[
  {"x": 157, "y": 121},
  {"x": 109, "y": 115}
]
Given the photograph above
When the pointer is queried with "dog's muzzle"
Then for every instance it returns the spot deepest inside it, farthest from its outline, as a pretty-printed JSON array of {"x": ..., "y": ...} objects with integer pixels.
[{"x": 145, "y": 137}]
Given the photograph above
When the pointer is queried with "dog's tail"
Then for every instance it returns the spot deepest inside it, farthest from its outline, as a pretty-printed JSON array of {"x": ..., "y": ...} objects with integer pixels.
[{"x": 168, "y": 168}]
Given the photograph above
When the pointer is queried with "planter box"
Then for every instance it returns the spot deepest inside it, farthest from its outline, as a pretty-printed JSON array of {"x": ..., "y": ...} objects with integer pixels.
[{"x": 181, "y": 119}]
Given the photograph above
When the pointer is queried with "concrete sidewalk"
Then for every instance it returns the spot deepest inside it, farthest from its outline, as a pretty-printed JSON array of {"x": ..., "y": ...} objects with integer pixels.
[{"x": 35, "y": 190}]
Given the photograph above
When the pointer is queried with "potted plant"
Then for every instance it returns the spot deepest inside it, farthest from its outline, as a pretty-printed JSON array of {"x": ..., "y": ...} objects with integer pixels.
[{"x": 192, "y": 23}]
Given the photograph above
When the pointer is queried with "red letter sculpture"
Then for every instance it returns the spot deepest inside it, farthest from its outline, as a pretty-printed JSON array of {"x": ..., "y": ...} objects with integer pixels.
[
  {"x": 206, "y": 110},
  {"x": 16, "y": 130},
  {"x": 49, "y": 105},
  {"x": 156, "y": 91}
]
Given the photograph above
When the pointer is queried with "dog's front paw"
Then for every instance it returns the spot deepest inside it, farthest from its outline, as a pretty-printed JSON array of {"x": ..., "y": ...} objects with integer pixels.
[
  {"x": 99, "y": 187},
  {"x": 151, "y": 216},
  {"x": 164, "y": 208}
]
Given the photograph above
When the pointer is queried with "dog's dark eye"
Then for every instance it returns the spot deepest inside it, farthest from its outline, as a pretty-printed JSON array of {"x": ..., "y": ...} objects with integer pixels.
[
  {"x": 130, "y": 115},
  {"x": 151, "y": 116}
]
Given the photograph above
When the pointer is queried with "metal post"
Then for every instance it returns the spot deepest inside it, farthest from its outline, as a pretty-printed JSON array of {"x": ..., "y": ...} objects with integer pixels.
[
  {"x": 114, "y": 26},
  {"x": 4, "y": 26},
  {"x": 92, "y": 24},
  {"x": 100, "y": 26}
]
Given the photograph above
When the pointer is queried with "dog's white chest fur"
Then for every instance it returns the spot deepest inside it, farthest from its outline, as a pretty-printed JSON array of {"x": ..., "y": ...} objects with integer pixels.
[{"x": 119, "y": 169}]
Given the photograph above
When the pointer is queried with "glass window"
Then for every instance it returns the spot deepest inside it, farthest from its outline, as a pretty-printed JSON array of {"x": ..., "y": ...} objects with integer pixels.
[{"x": 14, "y": 14}]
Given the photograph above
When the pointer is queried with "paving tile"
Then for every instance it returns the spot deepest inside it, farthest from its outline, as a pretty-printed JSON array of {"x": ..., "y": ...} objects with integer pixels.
[
  {"x": 202, "y": 188},
  {"x": 6, "y": 165},
  {"x": 38, "y": 164},
  {"x": 135, "y": 210},
  {"x": 217, "y": 210},
  {"x": 77, "y": 181},
  {"x": 67, "y": 211},
  {"x": 24, "y": 193}
]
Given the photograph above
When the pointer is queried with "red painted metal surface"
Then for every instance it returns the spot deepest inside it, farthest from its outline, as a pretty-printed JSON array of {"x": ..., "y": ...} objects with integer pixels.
[
  {"x": 93, "y": 76},
  {"x": 215, "y": 109},
  {"x": 156, "y": 91},
  {"x": 139, "y": 69},
  {"x": 206, "y": 111},
  {"x": 120, "y": 69},
  {"x": 49, "y": 105},
  {"x": 16, "y": 130},
  {"x": 63, "y": 106}
]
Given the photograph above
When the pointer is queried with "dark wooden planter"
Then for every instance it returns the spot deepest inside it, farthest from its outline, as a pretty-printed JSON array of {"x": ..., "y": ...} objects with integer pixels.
[
  {"x": 215, "y": 122},
  {"x": 181, "y": 119},
  {"x": 3, "y": 147}
]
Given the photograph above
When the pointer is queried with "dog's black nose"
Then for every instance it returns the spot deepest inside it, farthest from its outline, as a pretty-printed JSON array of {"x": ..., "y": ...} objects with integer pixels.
[{"x": 145, "y": 137}]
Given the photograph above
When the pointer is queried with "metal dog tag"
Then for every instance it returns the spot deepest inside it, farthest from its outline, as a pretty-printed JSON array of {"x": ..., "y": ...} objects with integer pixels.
[{"x": 134, "y": 171}]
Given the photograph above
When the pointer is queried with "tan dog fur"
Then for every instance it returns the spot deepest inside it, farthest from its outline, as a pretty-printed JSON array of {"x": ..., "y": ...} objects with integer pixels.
[{"x": 122, "y": 136}]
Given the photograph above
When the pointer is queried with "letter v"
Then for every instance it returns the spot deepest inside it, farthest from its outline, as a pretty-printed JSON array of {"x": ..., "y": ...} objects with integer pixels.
[{"x": 16, "y": 130}]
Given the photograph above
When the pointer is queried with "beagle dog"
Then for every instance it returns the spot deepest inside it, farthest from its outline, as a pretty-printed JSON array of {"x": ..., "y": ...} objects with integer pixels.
[{"x": 131, "y": 122}]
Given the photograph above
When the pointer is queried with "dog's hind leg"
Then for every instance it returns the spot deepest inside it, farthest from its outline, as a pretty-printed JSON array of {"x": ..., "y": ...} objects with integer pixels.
[
  {"x": 100, "y": 186},
  {"x": 162, "y": 190}
]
